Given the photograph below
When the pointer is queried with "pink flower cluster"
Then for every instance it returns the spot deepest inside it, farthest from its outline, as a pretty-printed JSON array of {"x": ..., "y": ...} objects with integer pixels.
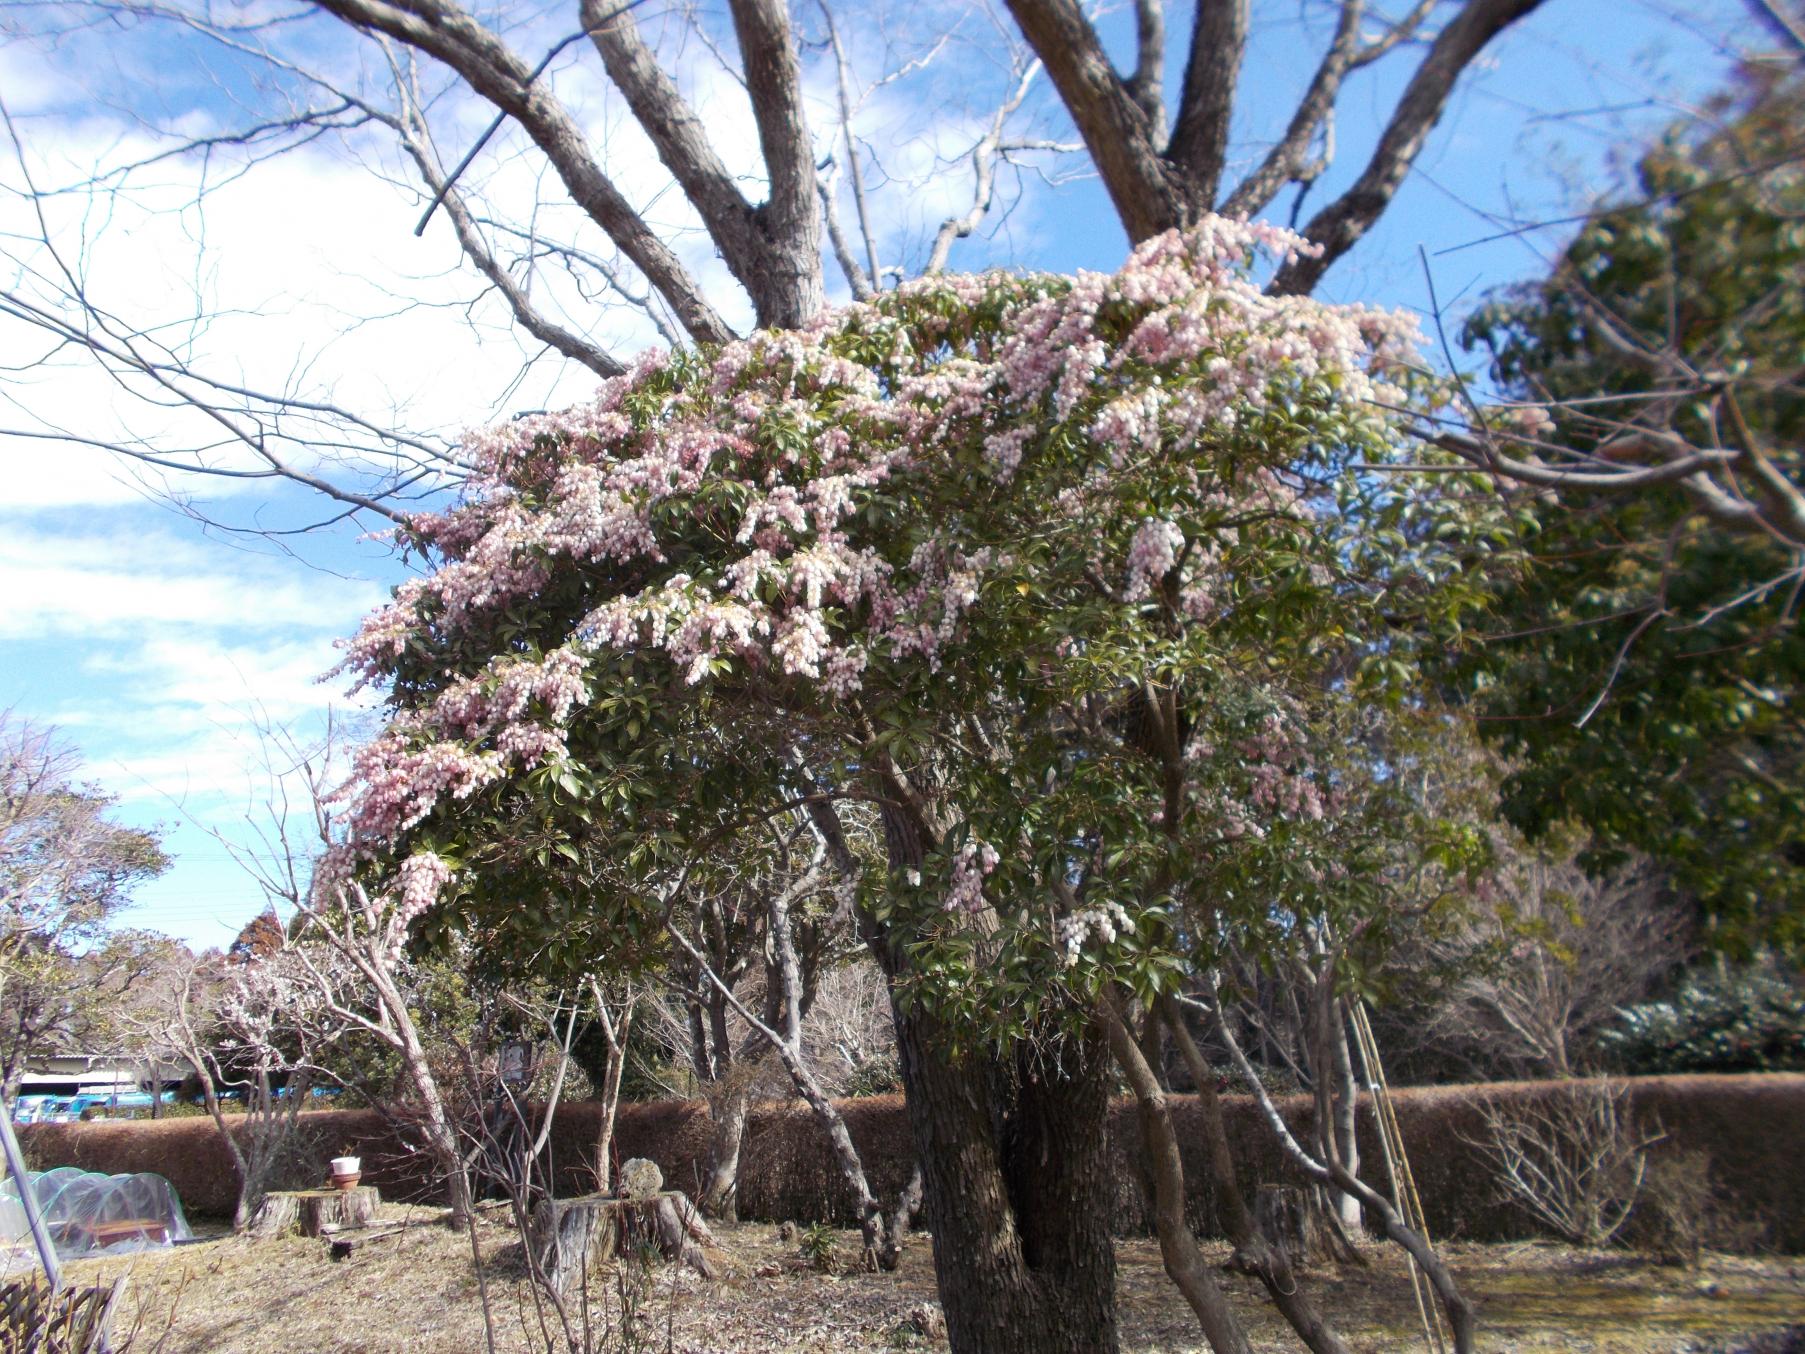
[
  {"x": 1270, "y": 778},
  {"x": 1152, "y": 554},
  {"x": 419, "y": 881},
  {"x": 973, "y": 864}
]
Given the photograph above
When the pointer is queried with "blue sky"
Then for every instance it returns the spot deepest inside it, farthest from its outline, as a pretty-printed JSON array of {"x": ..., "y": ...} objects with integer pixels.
[{"x": 158, "y": 647}]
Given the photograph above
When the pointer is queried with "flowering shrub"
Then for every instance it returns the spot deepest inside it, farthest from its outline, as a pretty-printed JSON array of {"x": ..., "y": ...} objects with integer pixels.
[{"x": 1056, "y": 568}]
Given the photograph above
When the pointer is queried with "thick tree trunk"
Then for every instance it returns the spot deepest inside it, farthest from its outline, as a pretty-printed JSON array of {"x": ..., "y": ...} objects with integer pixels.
[
  {"x": 1015, "y": 1174},
  {"x": 720, "y": 1190},
  {"x": 1013, "y": 1150},
  {"x": 311, "y": 1212}
]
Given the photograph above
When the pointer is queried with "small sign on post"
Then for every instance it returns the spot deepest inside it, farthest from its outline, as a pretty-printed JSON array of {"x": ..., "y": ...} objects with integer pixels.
[{"x": 515, "y": 1064}]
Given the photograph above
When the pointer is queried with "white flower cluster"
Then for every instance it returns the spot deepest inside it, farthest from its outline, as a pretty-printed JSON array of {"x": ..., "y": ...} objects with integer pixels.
[{"x": 1105, "y": 923}]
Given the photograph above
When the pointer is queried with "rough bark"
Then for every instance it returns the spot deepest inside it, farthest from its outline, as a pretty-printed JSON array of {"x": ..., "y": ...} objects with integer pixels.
[
  {"x": 571, "y": 1237},
  {"x": 312, "y": 1212},
  {"x": 791, "y": 290},
  {"x": 1199, "y": 145},
  {"x": 1288, "y": 1218},
  {"x": 1122, "y": 143},
  {"x": 1014, "y": 1157}
]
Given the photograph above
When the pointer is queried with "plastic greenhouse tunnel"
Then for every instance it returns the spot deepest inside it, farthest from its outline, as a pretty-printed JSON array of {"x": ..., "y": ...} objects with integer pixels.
[{"x": 90, "y": 1213}]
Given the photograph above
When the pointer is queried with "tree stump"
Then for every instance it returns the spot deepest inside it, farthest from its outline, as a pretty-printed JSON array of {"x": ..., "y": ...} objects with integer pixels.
[
  {"x": 572, "y": 1236},
  {"x": 1289, "y": 1218},
  {"x": 308, "y": 1211}
]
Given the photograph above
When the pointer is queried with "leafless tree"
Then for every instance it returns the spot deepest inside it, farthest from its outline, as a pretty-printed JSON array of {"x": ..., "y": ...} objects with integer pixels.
[
  {"x": 1574, "y": 1162},
  {"x": 559, "y": 228},
  {"x": 848, "y": 1036},
  {"x": 1550, "y": 961},
  {"x": 346, "y": 960},
  {"x": 795, "y": 879},
  {"x": 254, "y": 1031}
]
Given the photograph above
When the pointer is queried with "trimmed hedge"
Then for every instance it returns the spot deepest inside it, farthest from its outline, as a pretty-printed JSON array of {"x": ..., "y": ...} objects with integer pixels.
[{"x": 1752, "y": 1127}]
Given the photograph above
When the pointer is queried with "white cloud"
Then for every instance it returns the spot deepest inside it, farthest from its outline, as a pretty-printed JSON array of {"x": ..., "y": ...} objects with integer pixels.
[{"x": 145, "y": 584}]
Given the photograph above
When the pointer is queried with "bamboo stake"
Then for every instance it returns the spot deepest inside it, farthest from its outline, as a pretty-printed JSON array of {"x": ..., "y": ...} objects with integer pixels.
[
  {"x": 15, "y": 1164},
  {"x": 1397, "y": 1167}
]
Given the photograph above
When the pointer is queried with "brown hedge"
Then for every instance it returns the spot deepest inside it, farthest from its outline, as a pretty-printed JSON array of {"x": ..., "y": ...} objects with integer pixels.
[{"x": 1752, "y": 1127}]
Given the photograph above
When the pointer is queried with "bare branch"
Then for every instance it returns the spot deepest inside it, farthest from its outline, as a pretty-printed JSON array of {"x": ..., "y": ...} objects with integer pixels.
[
  {"x": 444, "y": 31},
  {"x": 1114, "y": 127},
  {"x": 411, "y": 128},
  {"x": 1199, "y": 144},
  {"x": 984, "y": 157},
  {"x": 856, "y": 277},
  {"x": 679, "y": 137},
  {"x": 1339, "y": 226},
  {"x": 1285, "y": 162},
  {"x": 843, "y": 77},
  {"x": 792, "y": 292}
]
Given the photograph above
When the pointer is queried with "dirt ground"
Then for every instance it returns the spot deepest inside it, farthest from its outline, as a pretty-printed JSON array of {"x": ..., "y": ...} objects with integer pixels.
[{"x": 417, "y": 1289}]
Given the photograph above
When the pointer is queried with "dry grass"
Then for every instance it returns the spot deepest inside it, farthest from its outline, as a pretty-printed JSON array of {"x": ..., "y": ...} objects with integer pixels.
[{"x": 416, "y": 1290}]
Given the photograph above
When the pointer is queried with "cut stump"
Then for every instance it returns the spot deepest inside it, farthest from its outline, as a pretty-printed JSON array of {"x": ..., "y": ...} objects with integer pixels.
[
  {"x": 309, "y": 1211},
  {"x": 1292, "y": 1219},
  {"x": 572, "y": 1236}
]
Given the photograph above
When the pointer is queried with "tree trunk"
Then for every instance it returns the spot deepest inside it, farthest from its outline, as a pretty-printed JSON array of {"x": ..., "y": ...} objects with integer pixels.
[
  {"x": 1345, "y": 1129},
  {"x": 441, "y": 1131},
  {"x": 616, "y": 1034},
  {"x": 1016, "y": 1189},
  {"x": 241, "y": 1208},
  {"x": 1183, "y": 1258},
  {"x": 1013, "y": 1149},
  {"x": 1252, "y": 1253},
  {"x": 720, "y": 1190}
]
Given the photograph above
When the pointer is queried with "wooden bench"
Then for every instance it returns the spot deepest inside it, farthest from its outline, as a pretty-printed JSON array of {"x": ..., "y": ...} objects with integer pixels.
[{"x": 98, "y": 1234}]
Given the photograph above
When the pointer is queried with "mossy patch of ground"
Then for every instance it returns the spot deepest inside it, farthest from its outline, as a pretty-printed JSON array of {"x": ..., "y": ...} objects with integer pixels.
[{"x": 416, "y": 1289}]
